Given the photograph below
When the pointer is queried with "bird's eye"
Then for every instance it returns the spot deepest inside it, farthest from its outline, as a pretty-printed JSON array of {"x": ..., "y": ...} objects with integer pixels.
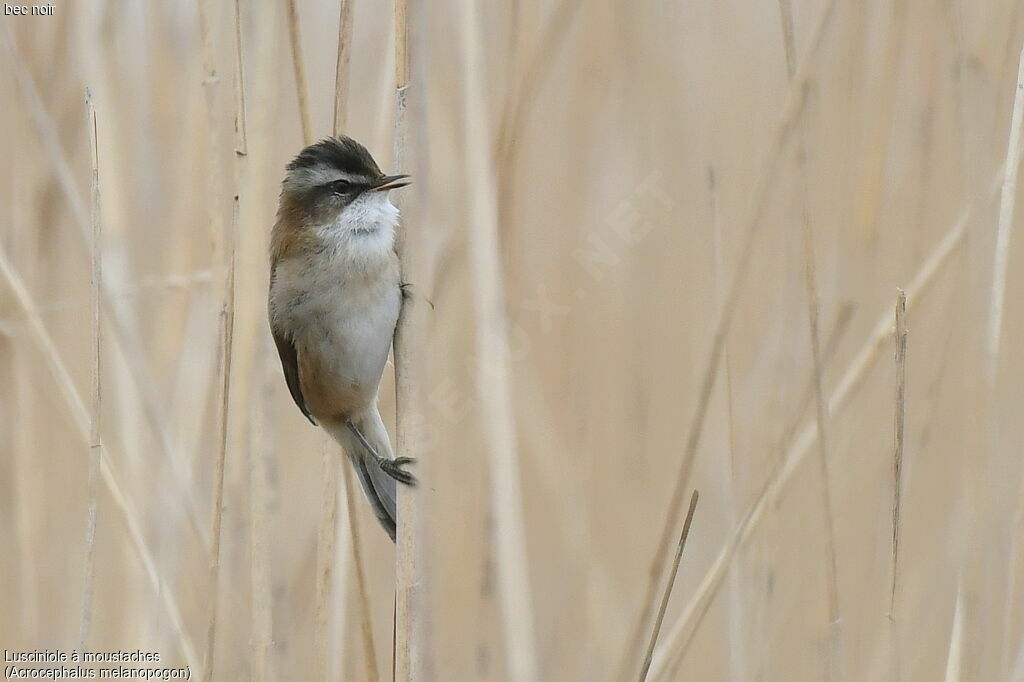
[{"x": 341, "y": 186}]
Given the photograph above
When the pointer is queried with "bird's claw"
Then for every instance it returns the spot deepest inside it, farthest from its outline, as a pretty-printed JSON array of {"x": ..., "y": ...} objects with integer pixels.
[{"x": 393, "y": 468}]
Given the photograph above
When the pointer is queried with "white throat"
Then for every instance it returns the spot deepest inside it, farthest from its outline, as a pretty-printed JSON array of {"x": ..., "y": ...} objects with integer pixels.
[
  {"x": 364, "y": 231},
  {"x": 370, "y": 212}
]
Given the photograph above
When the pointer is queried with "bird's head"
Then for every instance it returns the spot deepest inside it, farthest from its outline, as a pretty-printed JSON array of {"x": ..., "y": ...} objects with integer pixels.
[{"x": 336, "y": 183}]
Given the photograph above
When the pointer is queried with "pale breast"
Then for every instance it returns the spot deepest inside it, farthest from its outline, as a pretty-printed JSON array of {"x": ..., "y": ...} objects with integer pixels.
[{"x": 343, "y": 320}]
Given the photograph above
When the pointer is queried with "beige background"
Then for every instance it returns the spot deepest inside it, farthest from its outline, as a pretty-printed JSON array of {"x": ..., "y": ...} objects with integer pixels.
[{"x": 625, "y": 148}]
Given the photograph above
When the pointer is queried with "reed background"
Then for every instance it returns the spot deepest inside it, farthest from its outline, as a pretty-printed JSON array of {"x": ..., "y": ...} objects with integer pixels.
[{"x": 604, "y": 189}]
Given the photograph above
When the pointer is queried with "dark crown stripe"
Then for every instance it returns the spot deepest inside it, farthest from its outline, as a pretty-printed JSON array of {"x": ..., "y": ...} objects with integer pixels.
[{"x": 342, "y": 153}]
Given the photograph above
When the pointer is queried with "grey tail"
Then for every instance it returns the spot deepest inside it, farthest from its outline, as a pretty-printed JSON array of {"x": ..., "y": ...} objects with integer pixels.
[{"x": 379, "y": 488}]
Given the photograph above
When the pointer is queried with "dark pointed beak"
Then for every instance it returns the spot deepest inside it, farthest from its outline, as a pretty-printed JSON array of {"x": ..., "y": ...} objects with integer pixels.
[{"x": 390, "y": 182}]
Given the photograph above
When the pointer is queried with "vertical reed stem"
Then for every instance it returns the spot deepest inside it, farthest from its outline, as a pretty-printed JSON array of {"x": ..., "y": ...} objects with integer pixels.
[
  {"x": 668, "y": 587},
  {"x": 299, "y": 69},
  {"x": 409, "y": 653},
  {"x": 899, "y": 427},
  {"x": 95, "y": 442}
]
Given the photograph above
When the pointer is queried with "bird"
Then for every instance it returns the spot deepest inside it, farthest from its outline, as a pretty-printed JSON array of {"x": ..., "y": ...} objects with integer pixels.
[{"x": 334, "y": 298}]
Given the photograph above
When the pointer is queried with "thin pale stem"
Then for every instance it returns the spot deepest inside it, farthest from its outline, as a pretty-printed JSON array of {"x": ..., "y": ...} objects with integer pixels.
[
  {"x": 668, "y": 587},
  {"x": 299, "y": 70},
  {"x": 95, "y": 442},
  {"x": 341, "y": 68},
  {"x": 899, "y": 429}
]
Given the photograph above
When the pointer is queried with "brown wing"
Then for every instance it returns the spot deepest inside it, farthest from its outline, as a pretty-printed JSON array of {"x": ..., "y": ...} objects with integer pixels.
[
  {"x": 289, "y": 361},
  {"x": 290, "y": 365}
]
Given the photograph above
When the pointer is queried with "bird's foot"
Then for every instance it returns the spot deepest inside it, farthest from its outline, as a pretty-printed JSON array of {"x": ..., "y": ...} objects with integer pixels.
[{"x": 393, "y": 468}]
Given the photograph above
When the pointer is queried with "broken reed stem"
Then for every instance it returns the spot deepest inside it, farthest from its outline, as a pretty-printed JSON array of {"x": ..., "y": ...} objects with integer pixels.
[
  {"x": 341, "y": 68},
  {"x": 95, "y": 443},
  {"x": 299, "y": 70},
  {"x": 900, "y": 422},
  {"x": 673, "y": 648},
  {"x": 1007, "y": 204},
  {"x": 795, "y": 100},
  {"x": 668, "y": 587}
]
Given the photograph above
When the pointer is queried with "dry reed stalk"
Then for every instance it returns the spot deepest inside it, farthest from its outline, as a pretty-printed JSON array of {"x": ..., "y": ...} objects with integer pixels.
[
  {"x": 788, "y": 35},
  {"x": 227, "y": 320},
  {"x": 1005, "y": 61},
  {"x": 362, "y": 591},
  {"x": 737, "y": 619},
  {"x": 248, "y": 264},
  {"x": 241, "y": 139},
  {"x": 821, "y": 411},
  {"x": 261, "y": 447},
  {"x": 119, "y": 329},
  {"x": 899, "y": 428},
  {"x": 95, "y": 443},
  {"x": 25, "y": 469},
  {"x": 80, "y": 414},
  {"x": 299, "y": 69},
  {"x": 821, "y": 421},
  {"x": 794, "y": 105},
  {"x": 521, "y": 94},
  {"x": 223, "y": 237},
  {"x": 341, "y": 68},
  {"x": 877, "y": 154},
  {"x": 668, "y": 587},
  {"x": 227, "y": 317},
  {"x": 954, "y": 655},
  {"x": 523, "y": 90},
  {"x": 261, "y": 444},
  {"x": 324, "y": 557},
  {"x": 410, "y": 647},
  {"x": 401, "y": 44},
  {"x": 492, "y": 379},
  {"x": 682, "y": 632},
  {"x": 1007, "y": 204}
]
